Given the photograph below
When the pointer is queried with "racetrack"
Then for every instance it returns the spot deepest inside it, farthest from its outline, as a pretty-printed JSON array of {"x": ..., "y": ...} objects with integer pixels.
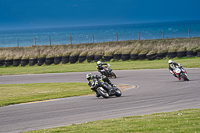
[{"x": 156, "y": 91}]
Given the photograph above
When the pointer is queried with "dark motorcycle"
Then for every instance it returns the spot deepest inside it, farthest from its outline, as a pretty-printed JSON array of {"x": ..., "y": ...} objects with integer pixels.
[
  {"x": 107, "y": 71},
  {"x": 181, "y": 74},
  {"x": 106, "y": 90}
]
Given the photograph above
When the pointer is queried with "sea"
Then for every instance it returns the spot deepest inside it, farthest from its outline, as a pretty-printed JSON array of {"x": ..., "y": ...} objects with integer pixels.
[{"x": 101, "y": 33}]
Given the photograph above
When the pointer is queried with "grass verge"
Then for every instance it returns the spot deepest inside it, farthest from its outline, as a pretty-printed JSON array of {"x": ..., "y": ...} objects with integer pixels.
[
  {"x": 179, "y": 121},
  {"x": 22, "y": 93},
  {"x": 193, "y": 62},
  {"x": 187, "y": 121}
]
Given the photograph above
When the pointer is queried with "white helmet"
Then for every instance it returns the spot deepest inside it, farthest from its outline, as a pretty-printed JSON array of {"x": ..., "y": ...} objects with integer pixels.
[
  {"x": 170, "y": 62},
  {"x": 98, "y": 62}
]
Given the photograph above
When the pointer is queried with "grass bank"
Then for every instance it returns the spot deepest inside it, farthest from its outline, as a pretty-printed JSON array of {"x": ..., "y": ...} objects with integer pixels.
[
  {"x": 22, "y": 93},
  {"x": 192, "y": 62},
  {"x": 104, "y": 48},
  {"x": 187, "y": 121}
]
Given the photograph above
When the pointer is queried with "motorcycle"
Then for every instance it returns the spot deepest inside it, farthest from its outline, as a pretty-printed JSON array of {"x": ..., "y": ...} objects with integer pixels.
[
  {"x": 107, "y": 71},
  {"x": 106, "y": 90},
  {"x": 181, "y": 74}
]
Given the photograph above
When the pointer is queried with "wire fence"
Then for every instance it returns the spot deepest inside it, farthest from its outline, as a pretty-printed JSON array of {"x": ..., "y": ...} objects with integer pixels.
[{"x": 114, "y": 36}]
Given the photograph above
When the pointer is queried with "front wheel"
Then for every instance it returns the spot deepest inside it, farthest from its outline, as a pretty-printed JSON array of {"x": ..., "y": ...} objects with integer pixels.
[
  {"x": 118, "y": 93},
  {"x": 102, "y": 92},
  {"x": 113, "y": 75},
  {"x": 185, "y": 77}
]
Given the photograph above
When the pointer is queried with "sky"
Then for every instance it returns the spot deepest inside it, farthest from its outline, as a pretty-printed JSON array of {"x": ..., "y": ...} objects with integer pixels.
[{"x": 26, "y": 14}]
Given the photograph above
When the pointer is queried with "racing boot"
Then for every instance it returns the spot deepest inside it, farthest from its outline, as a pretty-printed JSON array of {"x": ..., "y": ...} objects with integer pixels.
[
  {"x": 97, "y": 94},
  {"x": 110, "y": 91},
  {"x": 113, "y": 85}
]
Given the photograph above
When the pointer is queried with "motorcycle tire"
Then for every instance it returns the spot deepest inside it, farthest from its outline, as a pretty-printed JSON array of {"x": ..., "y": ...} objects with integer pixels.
[
  {"x": 1, "y": 62},
  {"x": 103, "y": 92},
  {"x": 185, "y": 77},
  {"x": 97, "y": 57},
  {"x": 142, "y": 56},
  {"x": 24, "y": 62},
  {"x": 32, "y": 62},
  {"x": 171, "y": 55},
  {"x": 73, "y": 59},
  {"x": 125, "y": 57},
  {"x": 113, "y": 75},
  {"x": 16, "y": 62},
  {"x": 181, "y": 54},
  {"x": 8, "y": 63},
  {"x": 191, "y": 53},
  {"x": 117, "y": 57},
  {"x": 118, "y": 93},
  {"x": 81, "y": 59},
  {"x": 134, "y": 56},
  {"x": 57, "y": 60},
  {"x": 65, "y": 59},
  {"x": 161, "y": 55},
  {"x": 41, "y": 61},
  {"x": 49, "y": 60},
  {"x": 90, "y": 58},
  {"x": 198, "y": 52}
]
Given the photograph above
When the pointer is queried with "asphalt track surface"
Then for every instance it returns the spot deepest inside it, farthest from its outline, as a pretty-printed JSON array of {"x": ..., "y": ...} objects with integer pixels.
[{"x": 155, "y": 91}]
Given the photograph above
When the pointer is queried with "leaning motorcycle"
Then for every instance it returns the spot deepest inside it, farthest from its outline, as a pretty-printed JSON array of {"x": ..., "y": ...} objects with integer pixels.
[
  {"x": 107, "y": 71},
  {"x": 181, "y": 74},
  {"x": 106, "y": 90}
]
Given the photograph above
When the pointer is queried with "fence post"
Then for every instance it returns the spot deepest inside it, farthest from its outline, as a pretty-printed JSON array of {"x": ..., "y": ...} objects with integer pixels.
[
  {"x": 17, "y": 43},
  {"x": 116, "y": 37},
  {"x": 138, "y": 36},
  {"x": 189, "y": 33},
  {"x": 49, "y": 40},
  {"x": 93, "y": 38},
  {"x": 34, "y": 41},
  {"x": 163, "y": 34},
  {"x": 70, "y": 40}
]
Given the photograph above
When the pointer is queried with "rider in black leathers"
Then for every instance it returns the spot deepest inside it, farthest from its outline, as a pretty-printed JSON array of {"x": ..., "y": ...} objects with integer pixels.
[
  {"x": 92, "y": 82},
  {"x": 99, "y": 66}
]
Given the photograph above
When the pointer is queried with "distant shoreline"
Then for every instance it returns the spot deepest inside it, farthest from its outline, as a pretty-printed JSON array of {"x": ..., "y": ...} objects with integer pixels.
[
  {"x": 121, "y": 41},
  {"x": 83, "y": 26},
  {"x": 98, "y": 34}
]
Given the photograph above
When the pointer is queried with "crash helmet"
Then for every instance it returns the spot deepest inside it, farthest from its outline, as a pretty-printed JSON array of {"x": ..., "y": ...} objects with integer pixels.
[
  {"x": 89, "y": 76},
  {"x": 98, "y": 62},
  {"x": 170, "y": 62}
]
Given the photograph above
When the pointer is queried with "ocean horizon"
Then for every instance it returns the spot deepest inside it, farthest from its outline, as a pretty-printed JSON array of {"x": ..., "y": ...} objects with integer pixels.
[{"x": 101, "y": 33}]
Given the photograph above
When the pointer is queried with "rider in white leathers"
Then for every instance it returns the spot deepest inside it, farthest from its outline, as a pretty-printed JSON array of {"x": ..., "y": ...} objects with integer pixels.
[{"x": 172, "y": 66}]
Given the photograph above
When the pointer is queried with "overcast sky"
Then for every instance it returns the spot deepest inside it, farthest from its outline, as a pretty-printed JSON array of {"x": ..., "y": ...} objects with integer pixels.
[{"x": 15, "y": 14}]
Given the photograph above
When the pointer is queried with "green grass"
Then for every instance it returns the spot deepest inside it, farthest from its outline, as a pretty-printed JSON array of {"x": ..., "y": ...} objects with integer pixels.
[
  {"x": 22, "y": 93},
  {"x": 179, "y": 121},
  {"x": 185, "y": 121},
  {"x": 193, "y": 62}
]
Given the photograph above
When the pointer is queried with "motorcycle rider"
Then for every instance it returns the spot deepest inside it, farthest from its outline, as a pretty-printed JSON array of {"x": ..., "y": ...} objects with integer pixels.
[
  {"x": 100, "y": 66},
  {"x": 172, "y": 66},
  {"x": 92, "y": 82}
]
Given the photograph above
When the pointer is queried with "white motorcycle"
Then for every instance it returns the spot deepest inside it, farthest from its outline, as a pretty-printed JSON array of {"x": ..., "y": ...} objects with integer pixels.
[{"x": 181, "y": 74}]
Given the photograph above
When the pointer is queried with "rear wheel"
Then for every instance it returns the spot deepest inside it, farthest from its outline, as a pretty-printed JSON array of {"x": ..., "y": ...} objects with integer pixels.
[
  {"x": 102, "y": 92},
  {"x": 113, "y": 75}
]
